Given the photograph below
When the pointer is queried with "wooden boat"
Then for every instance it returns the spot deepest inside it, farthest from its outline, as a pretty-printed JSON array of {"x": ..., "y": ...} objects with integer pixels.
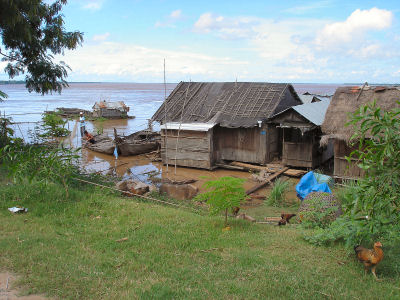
[
  {"x": 140, "y": 142},
  {"x": 104, "y": 144}
]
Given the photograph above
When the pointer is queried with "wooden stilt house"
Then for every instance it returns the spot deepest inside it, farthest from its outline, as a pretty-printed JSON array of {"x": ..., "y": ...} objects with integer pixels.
[
  {"x": 301, "y": 135},
  {"x": 208, "y": 122},
  {"x": 347, "y": 100}
]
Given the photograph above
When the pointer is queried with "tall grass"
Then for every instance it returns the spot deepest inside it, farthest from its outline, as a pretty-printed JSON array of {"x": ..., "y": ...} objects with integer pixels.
[{"x": 277, "y": 195}]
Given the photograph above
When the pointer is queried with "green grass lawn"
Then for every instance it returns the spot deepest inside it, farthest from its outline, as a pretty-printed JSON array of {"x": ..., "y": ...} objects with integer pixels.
[{"x": 62, "y": 250}]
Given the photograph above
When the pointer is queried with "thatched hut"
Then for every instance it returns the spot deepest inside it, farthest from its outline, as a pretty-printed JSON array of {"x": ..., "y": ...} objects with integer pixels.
[
  {"x": 347, "y": 100},
  {"x": 301, "y": 134},
  {"x": 208, "y": 122}
]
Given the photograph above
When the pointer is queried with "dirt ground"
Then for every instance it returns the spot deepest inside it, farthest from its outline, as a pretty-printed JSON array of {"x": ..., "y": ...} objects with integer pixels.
[{"x": 9, "y": 292}]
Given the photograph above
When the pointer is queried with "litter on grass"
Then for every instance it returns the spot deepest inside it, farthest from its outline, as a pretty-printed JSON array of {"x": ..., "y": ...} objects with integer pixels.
[{"x": 18, "y": 209}]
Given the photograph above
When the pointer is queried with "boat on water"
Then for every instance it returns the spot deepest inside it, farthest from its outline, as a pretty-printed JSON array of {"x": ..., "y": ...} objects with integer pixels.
[
  {"x": 140, "y": 142},
  {"x": 104, "y": 144}
]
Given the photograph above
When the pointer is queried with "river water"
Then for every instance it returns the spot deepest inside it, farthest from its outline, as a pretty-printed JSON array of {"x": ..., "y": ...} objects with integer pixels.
[{"x": 144, "y": 99}]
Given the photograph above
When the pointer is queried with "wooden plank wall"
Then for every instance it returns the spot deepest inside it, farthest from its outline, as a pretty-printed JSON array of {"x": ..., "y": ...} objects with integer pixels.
[
  {"x": 274, "y": 143},
  {"x": 241, "y": 144},
  {"x": 194, "y": 148},
  {"x": 297, "y": 154},
  {"x": 304, "y": 150},
  {"x": 342, "y": 168}
]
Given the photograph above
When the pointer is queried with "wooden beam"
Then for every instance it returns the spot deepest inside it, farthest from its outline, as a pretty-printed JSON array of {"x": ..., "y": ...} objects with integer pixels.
[
  {"x": 269, "y": 168},
  {"x": 265, "y": 183},
  {"x": 247, "y": 166},
  {"x": 230, "y": 167}
]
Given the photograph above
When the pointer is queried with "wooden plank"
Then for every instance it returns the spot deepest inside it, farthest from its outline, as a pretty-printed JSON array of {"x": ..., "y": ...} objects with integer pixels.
[
  {"x": 247, "y": 166},
  {"x": 294, "y": 172},
  {"x": 200, "y": 164},
  {"x": 269, "y": 180},
  {"x": 270, "y": 168},
  {"x": 230, "y": 167}
]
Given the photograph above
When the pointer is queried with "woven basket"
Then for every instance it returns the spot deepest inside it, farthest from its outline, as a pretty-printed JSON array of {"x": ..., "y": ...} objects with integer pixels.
[{"x": 325, "y": 201}]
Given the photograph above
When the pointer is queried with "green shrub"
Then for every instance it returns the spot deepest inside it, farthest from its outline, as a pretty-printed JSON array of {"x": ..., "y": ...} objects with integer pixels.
[
  {"x": 40, "y": 164},
  {"x": 371, "y": 205},
  {"x": 53, "y": 125},
  {"x": 223, "y": 194},
  {"x": 277, "y": 195}
]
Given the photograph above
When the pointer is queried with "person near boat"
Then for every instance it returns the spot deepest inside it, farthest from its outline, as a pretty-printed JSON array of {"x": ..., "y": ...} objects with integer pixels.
[
  {"x": 89, "y": 137},
  {"x": 82, "y": 123}
]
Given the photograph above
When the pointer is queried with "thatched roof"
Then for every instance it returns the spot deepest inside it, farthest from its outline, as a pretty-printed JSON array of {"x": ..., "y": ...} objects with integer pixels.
[
  {"x": 347, "y": 100},
  {"x": 229, "y": 104}
]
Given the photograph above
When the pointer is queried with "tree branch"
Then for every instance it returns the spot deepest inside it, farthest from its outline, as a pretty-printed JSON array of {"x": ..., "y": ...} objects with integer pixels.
[{"x": 11, "y": 58}]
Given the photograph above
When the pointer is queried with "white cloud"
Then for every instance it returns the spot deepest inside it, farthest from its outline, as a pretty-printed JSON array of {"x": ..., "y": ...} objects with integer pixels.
[
  {"x": 176, "y": 14},
  {"x": 298, "y": 10},
  {"x": 101, "y": 37},
  {"x": 134, "y": 62},
  {"x": 226, "y": 28},
  {"x": 354, "y": 27},
  {"x": 92, "y": 4},
  {"x": 170, "y": 20},
  {"x": 368, "y": 51}
]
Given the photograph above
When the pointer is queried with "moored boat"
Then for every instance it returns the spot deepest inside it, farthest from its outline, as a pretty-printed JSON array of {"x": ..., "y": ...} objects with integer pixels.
[
  {"x": 137, "y": 143},
  {"x": 103, "y": 144}
]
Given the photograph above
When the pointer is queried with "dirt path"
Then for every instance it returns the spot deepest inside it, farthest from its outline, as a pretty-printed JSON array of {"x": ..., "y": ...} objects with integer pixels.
[{"x": 9, "y": 292}]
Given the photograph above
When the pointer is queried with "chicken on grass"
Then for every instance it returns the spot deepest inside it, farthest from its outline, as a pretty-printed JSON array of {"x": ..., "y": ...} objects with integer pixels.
[{"x": 370, "y": 257}]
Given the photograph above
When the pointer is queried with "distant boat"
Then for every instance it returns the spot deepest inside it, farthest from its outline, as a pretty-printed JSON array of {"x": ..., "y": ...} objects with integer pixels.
[{"x": 110, "y": 110}]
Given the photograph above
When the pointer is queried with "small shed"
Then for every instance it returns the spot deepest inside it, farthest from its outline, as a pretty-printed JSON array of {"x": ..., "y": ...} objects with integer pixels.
[
  {"x": 204, "y": 123},
  {"x": 347, "y": 100},
  {"x": 110, "y": 110},
  {"x": 301, "y": 134}
]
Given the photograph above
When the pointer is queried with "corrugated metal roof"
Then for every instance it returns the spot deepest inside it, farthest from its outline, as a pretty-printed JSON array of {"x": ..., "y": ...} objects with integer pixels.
[
  {"x": 188, "y": 126},
  {"x": 306, "y": 98},
  {"x": 314, "y": 112}
]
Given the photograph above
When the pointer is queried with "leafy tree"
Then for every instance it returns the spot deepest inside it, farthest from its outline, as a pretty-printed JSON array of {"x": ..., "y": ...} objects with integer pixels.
[
  {"x": 31, "y": 33},
  {"x": 223, "y": 194},
  {"x": 371, "y": 206}
]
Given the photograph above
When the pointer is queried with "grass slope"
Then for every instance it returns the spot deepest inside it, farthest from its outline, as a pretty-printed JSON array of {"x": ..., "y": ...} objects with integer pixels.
[{"x": 61, "y": 249}]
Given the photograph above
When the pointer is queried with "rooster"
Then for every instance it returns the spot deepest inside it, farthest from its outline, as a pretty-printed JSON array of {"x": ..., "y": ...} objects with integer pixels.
[
  {"x": 235, "y": 211},
  {"x": 370, "y": 257},
  {"x": 287, "y": 217}
]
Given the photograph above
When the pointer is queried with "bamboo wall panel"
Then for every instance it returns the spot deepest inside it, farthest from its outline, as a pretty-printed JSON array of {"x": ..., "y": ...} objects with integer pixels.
[
  {"x": 192, "y": 144},
  {"x": 190, "y": 149},
  {"x": 342, "y": 168}
]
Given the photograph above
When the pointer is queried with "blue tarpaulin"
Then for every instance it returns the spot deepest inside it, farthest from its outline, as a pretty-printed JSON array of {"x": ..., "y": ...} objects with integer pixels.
[{"x": 312, "y": 182}]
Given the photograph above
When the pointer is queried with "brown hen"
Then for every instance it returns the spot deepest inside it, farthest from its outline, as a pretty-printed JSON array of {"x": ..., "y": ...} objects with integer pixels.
[{"x": 370, "y": 257}]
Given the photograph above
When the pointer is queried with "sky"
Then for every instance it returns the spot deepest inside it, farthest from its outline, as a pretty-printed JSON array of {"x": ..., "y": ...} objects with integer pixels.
[{"x": 327, "y": 41}]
